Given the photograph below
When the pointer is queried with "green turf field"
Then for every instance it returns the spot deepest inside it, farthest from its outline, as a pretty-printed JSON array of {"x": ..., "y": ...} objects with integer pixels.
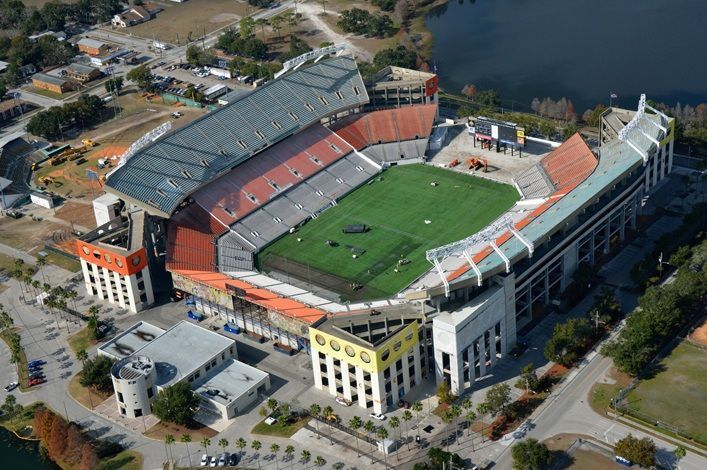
[
  {"x": 395, "y": 206},
  {"x": 676, "y": 394}
]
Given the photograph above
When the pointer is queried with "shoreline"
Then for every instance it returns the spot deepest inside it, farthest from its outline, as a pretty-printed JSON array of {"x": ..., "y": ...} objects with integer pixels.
[{"x": 417, "y": 27}]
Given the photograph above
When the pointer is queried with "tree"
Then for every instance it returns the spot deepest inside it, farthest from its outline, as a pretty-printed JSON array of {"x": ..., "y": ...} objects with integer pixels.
[
  {"x": 205, "y": 443},
  {"x": 272, "y": 404},
  {"x": 57, "y": 438},
  {"x": 10, "y": 408},
  {"x": 176, "y": 404},
  {"x": 469, "y": 91},
  {"x": 262, "y": 22},
  {"x": 528, "y": 378},
  {"x": 96, "y": 373},
  {"x": 246, "y": 26},
  {"x": 394, "y": 424},
  {"x": 680, "y": 452},
  {"x": 319, "y": 462},
  {"x": 82, "y": 356},
  {"x": 274, "y": 448},
  {"x": 444, "y": 393},
  {"x": 355, "y": 423},
  {"x": 439, "y": 459},
  {"x": 530, "y": 455},
  {"x": 568, "y": 341},
  {"x": 382, "y": 434},
  {"x": 186, "y": 439},
  {"x": 114, "y": 84},
  {"x": 256, "y": 445},
  {"x": 169, "y": 441},
  {"x": 290, "y": 452},
  {"x": 369, "y": 427},
  {"x": 241, "y": 444},
  {"x": 407, "y": 416},
  {"x": 399, "y": 56},
  {"x": 141, "y": 76},
  {"x": 306, "y": 456},
  {"x": 640, "y": 451},
  {"x": 41, "y": 262},
  {"x": 328, "y": 414},
  {"x": 89, "y": 459},
  {"x": 223, "y": 443},
  {"x": 497, "y": 398}
]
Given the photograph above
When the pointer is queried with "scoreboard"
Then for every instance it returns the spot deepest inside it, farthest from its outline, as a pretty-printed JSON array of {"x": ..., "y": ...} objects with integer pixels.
[{"x": 505, "y": 132}]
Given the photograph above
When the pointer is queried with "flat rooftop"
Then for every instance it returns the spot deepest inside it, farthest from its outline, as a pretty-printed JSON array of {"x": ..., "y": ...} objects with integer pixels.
[
  {"x": 183, "y": 349},
  {"x": 132, "y": 340},
  {"x": 231, "y": 382}
]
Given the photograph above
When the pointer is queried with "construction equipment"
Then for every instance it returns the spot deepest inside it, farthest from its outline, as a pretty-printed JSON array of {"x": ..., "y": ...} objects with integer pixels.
[
  {"x": 58, "y": 160},
  {"x": 46, "y": 180},
  {"x": 453, "y": 163},
  {"x": 89, "y": 143},
  {"x": 74, "y": 156},
  {"x": 474, "y": 163}
]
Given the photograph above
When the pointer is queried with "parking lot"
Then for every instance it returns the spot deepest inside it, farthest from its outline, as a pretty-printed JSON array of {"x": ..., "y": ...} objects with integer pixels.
[{"x": 175, "y": 78}]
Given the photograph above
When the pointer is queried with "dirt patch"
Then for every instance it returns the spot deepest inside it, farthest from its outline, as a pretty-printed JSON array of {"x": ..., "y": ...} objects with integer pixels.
[
  {"x": 28, "y": 235},
  {"x": 196, "y": 430},
  {"x": 699, "y": 336},
  {"x": 223, "y": 17},
  {"x": 77, "y": 213}
]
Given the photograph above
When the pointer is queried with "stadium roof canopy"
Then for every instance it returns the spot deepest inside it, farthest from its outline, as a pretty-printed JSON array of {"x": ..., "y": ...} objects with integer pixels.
[{"x": 162, "y": 175}]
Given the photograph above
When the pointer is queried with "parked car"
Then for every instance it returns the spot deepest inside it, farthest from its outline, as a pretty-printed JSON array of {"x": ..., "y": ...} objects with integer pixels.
[
  {"x": 231, "y": 328},
  {"x": 214, "y": 462},
  {"x": 36, "y": 375},
  {"x": 233, "y": 460},
  {"x": 378, "y": 416},
  {"x": 11, "y": 386},
  {"x": 519, "y": 349},
  {"x": 36, "y": 362},
  {"x": 223, "y": 460},
  {"x": 404, "y": 404},
  {"x": 37, "y": 381},
  {"x": 205, "y": 459},
  {"x": 195, "y": 316},
  {"x": 177, "y": 114},
  {"x": 343, "y": 401}
]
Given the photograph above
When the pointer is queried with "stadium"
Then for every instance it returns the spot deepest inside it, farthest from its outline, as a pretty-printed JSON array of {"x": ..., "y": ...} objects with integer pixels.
[{"x": 306, "y": 216}]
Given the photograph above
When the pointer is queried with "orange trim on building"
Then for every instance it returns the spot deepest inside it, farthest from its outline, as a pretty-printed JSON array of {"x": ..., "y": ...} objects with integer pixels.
[
  {"x": 116, "y": 262},
  {"x": 576, "y": 149},
  {"x": 256, "y": 295}
]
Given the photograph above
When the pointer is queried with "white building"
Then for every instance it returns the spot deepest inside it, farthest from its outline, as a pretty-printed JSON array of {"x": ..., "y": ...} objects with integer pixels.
[
  {"x": 151, "y": 359},
  {"x": 372, "y": 361}
]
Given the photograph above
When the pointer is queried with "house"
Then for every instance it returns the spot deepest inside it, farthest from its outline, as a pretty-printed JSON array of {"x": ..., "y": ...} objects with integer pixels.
[
  {"x": 10, "y": 109},
  {"x": 51, "y": 83},
  {"x": 82, "y": 73},
  {"x": 91, "y": 46},
  {"x": 135, "y": 15}
]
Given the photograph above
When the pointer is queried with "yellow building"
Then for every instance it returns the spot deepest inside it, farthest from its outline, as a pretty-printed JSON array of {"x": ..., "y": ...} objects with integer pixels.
[{"x": 372, "y": 360}]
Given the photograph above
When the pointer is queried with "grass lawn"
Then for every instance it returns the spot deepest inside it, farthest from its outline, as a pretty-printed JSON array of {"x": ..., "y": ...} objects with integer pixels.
[
  {"x": 196, "y": 430},
  {"x": 64, "y": 262},
  {"x": 278, "y": 429},
  {"x": 22, "y": 364},
  {"x": 601, "y": 394},
  {"x": 81, "y": 340},
  {"x": 676, "y": 395},
  {"x": 87, "y": 397},
  {"x": 395, "y": 206},
  {"x": 125, "y": 460}
]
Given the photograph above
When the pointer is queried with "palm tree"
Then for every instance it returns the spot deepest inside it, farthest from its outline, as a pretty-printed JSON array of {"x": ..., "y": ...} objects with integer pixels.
[
  {"x": 290, "y": 452},
  {"x": 276, "y": 24},
  {"x": 223, "y": 443},
  {"x": 456, "y": 413},
  {"x": 407, "y": 416},
  {"x": 272, "y": 404},
  {"x": 41, "y": 262},
  {"x": 417, "y": 408},
  {"x": 382, "y": 434},
  {"x": 82, "y": 355},
  {"x": 262, "y": 22},
  {"x": 186, "y": 439},
  {"x": 680, "y": 452},
  {"x": 274, "y": 448},
  {"x": 369, "y": 427},
  {"x": 256, "y": 445},
  {"x": 319, "y": 462},
  {"x": 306, "y": 457},
  {"x": 71, "y": 294},
  {"x": 394, "y": 424},
  {"x": 328, "y": 413},
  {"x": 355, "y": 423},
  {"x": 315, "y": 410},
  {"x": 448, "y": 417},
  {"x": 36, "y": 285},
  {"x": 168, "y": 441},
  {"x": 338, "y": 466},
  {"x": 470, "y": 416},
  {"x": 205, "y": 443},
  {"x": 241, "y": 444}
]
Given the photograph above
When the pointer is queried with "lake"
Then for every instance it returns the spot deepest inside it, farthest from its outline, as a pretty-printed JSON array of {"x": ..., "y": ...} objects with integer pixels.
[
  {"x": 580, "y": 49},
  {"x": 20, "y": 455}
]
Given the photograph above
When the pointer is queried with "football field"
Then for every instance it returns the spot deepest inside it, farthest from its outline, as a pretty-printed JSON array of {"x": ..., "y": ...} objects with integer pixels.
[{"x": 406, "y": 215}]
